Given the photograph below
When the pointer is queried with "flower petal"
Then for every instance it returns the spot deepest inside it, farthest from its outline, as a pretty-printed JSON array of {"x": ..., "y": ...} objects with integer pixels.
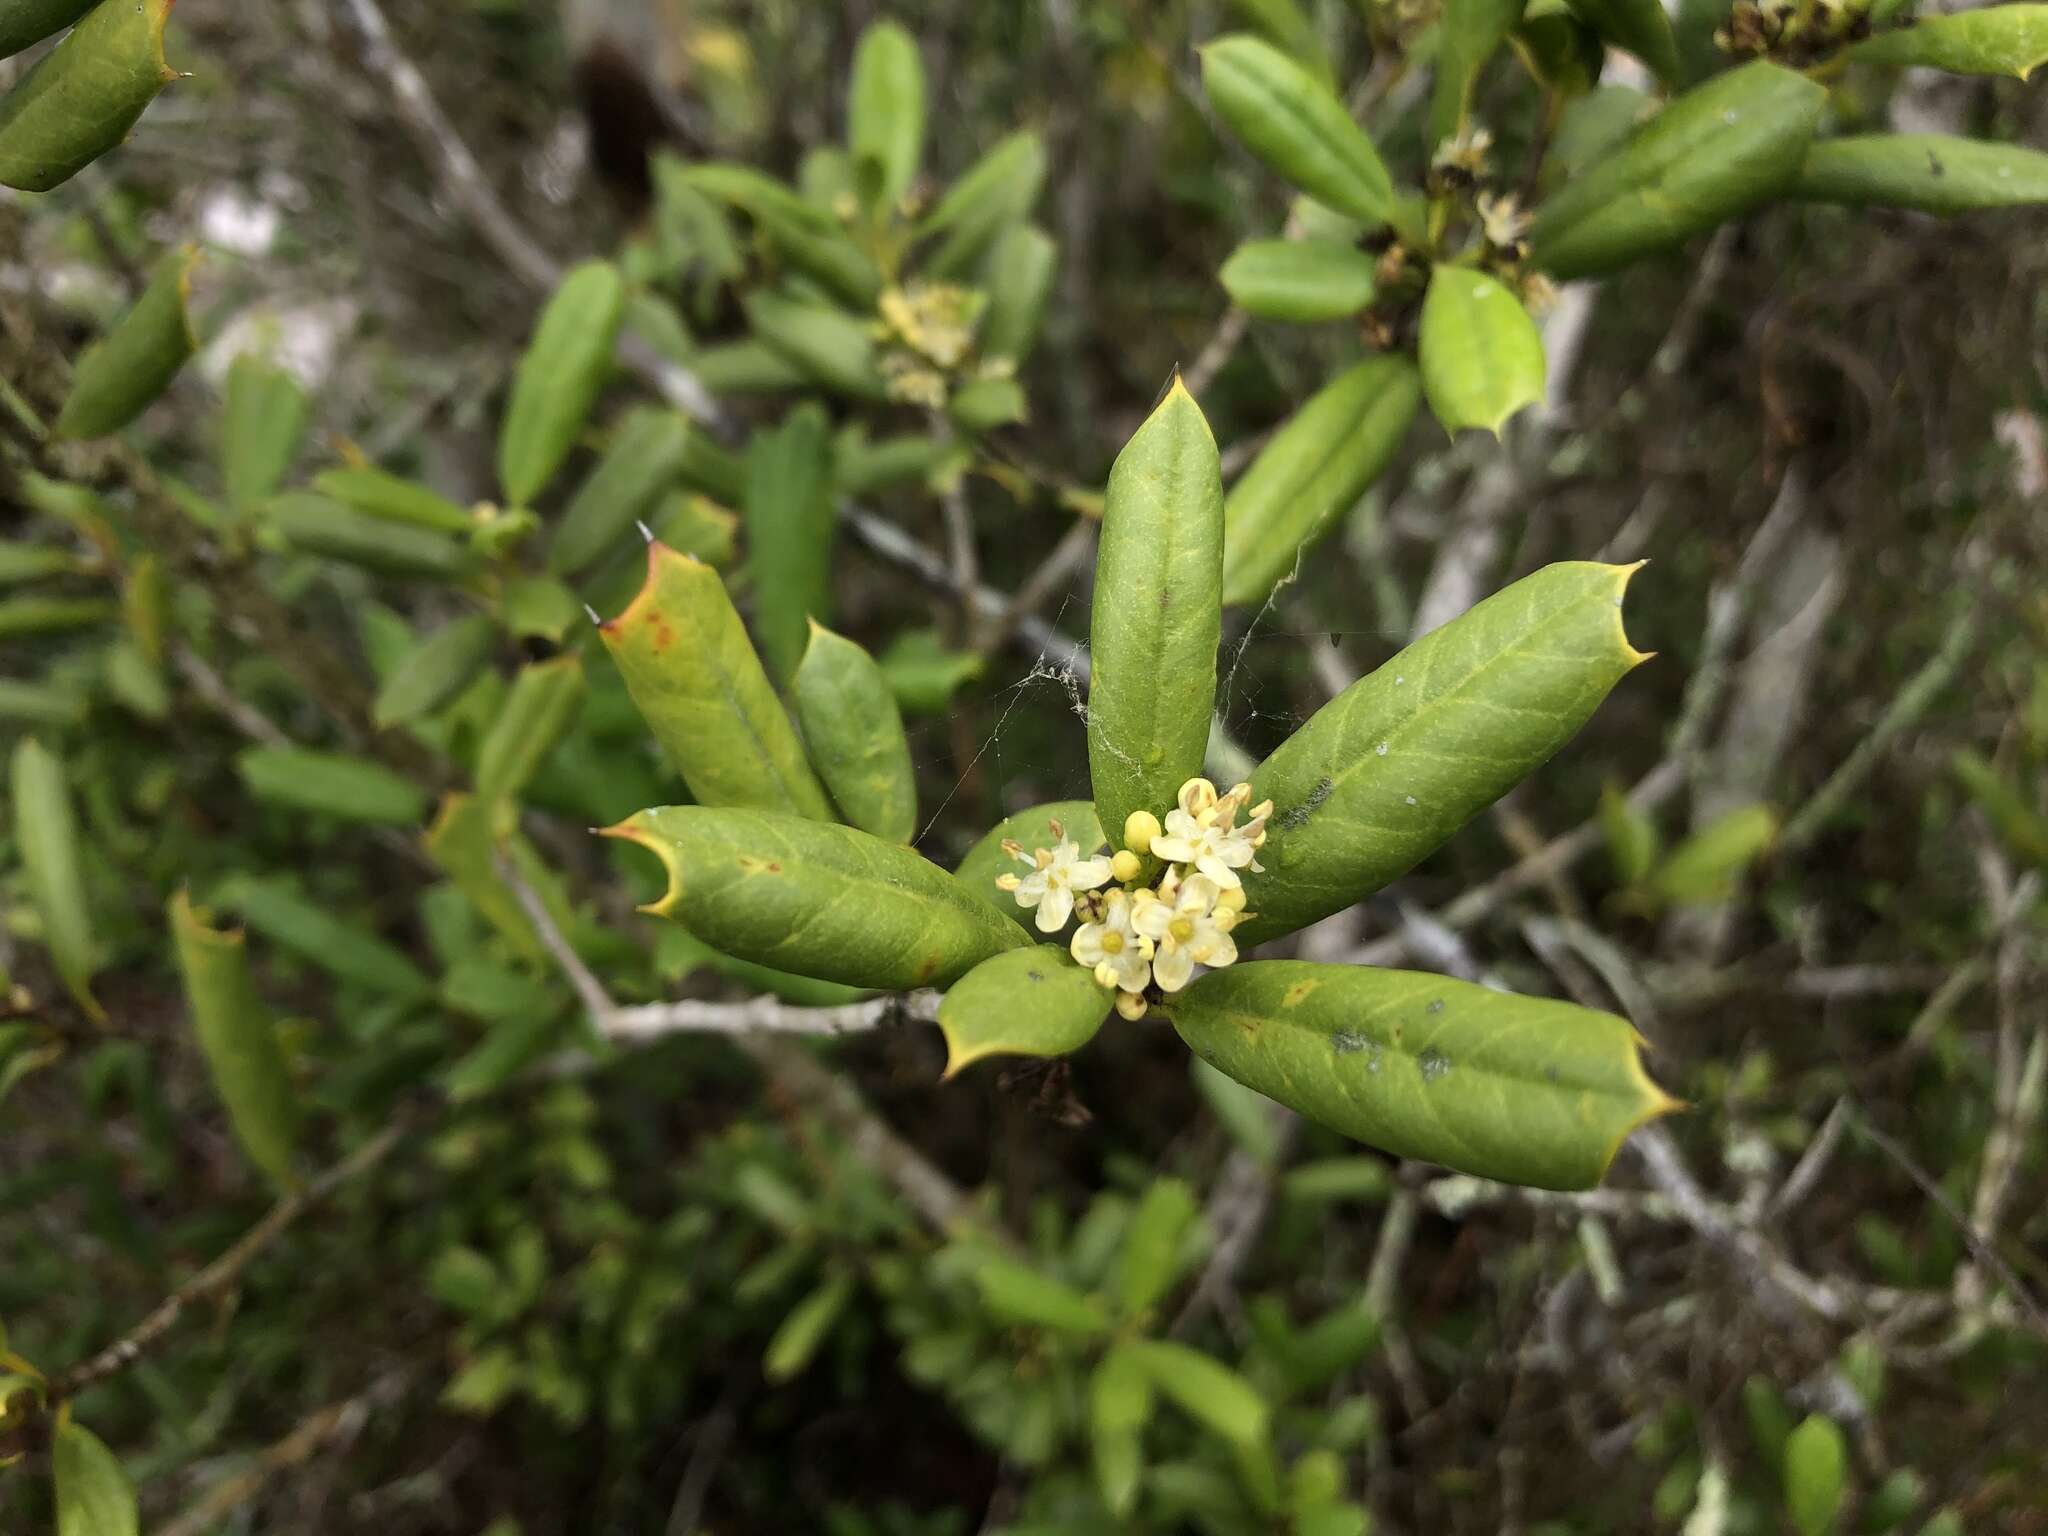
[
  {"x": 1054, "y": 911},
  {"x": 1172, "y": 967},
  {"x": 1087, "y": 874}
]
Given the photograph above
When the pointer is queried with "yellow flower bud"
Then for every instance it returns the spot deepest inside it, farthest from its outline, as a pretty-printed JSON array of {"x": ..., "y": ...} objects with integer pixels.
[
  {"x": 1131, "y": 1005},
  {"x": 1126, "y": 864},
  {"x": 1140, "y": 827}
]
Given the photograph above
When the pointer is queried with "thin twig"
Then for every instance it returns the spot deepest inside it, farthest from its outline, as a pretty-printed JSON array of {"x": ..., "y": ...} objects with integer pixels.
[{"x": 220, "y": 1276}]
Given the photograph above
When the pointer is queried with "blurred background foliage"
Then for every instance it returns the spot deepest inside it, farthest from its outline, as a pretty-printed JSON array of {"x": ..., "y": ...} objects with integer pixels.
[{"x": 667, "y": 1287}]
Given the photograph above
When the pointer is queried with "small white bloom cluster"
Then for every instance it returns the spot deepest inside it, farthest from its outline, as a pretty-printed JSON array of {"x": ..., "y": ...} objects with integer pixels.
[{"x": 1136, "y": 936}]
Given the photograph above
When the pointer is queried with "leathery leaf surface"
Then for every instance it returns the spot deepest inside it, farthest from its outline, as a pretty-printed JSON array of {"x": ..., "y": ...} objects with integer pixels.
[
  {"x": 829, "y": 902},
  {"x": 1523, "y": 1089},
  {"x": 1381, "y": 775}
]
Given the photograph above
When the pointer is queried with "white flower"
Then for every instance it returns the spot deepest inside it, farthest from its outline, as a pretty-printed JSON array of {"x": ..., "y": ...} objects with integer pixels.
[
  {"x": 1189, "y": 922},
  {"x": 1055, "y": 875},
  {"x": 1202, "y": 834},
  {"x": 1113, "y": 949}
]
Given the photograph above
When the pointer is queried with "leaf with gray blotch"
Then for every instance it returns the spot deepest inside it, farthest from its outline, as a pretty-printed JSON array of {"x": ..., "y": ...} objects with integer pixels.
[
  {"x": 1025, "y": 1002},
  {"x": 1526, "y": 1090},
  {"x": 1158, "y": 614},
  {"x": 1929, "y": 172},
  {"x": 1029, "y": 829},
  {"x": 1381, "y": 775},
  {"x": 831, "y": 902},
  {"x": 1990, "y": 40}
]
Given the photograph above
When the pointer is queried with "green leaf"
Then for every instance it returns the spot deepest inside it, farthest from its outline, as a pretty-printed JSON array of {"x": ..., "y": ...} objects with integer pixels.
[
  {"x": 1560, "y": 51},
  {"x": 1993, "y": 40},
  {"x": 464, "y": 1280},
  {"x": 855, "y": 735},
  {"x": 1642, "y": 27},
  {"x": 34, "y": 562},
  {"x": 1591, "y": 127},
  {"x": 1289, "y": 28},
  {"x": 1816, "y": 1475},
  {"x": 982, "y": 405},
  {"x": 694, "y": 677},
  {"x": 1381, "y": 775},
  {"x": 124, "y": 371},
  {"x": 825, "y": 345},
  {"x": 860, "y": 465},
  {"x": 998, "y": 190},
  {"x": 1206, "y": 1390},
  {"x": 558, "y": 381},
  {"x": 263, "y": 422},
  {"x": 352, "y": 788},
  {"x": 924, "y": 673},
  {"x": 27, "y": 22},
  {"x": 1708, "y": 866},
  {"x": 1017, "y": 1294},
  {"x": 806, "y": 1328},
  {"x": 313, "y": 523},
  {"x": 311, "y": 931},
  {"x": 1300, "y": 280},
  {"x": 1027, "y": 1002},
  {"x": 1313, "y": 471},
  {"x": 47, "y": 832},
  {"x": 1930, "y": 172},
  {"x": 1150, "y": 1261},
  {"x": 885, "y": 111},
  {"x": 51, "y": 704},
  {"x": 790, "y": 524},
  {"x": 435, "y": 670},
  {"x": 82, "y": 97},
  {"x": 1158, "y": 616},
  {"x": 1711, "y": 155},
  {"x": 1293, "y": 123},
  {"x": 392, "y": 499},
  {"x": 1017, "y": 276},
  {"x": 1031, "y": 829},
  {"x": 543, "y": 703},
  {"x": 2022, "y": 828},
  {"x": 642, "y": 460},
  {"x": 239, "y": 1040},
  {"x": 484, "y": 1382},
  {"x": 539, "y": 607},
  {"x": 1482, "y": 358},
  {"x": 1119, "y": 1407},
  {"x": 1630, "y": 835},
  {"x": 1770, "y": 1424},
  {"x": 36, "y": 615},
  {"x": 1522, "y": 1089},
  {"x": 824, "y": 901},
  {"x": 809, "y": 237},
  {"x": 747, "y": 367},
  {"x": 94, "y": 1496},
  {"x": 466, "y": 839},
  {"x": 1469, "y": 35}
]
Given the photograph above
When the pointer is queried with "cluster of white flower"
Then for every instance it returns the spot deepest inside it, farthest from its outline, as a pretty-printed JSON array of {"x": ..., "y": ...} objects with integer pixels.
[{"x": 1136, "y": 936}]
